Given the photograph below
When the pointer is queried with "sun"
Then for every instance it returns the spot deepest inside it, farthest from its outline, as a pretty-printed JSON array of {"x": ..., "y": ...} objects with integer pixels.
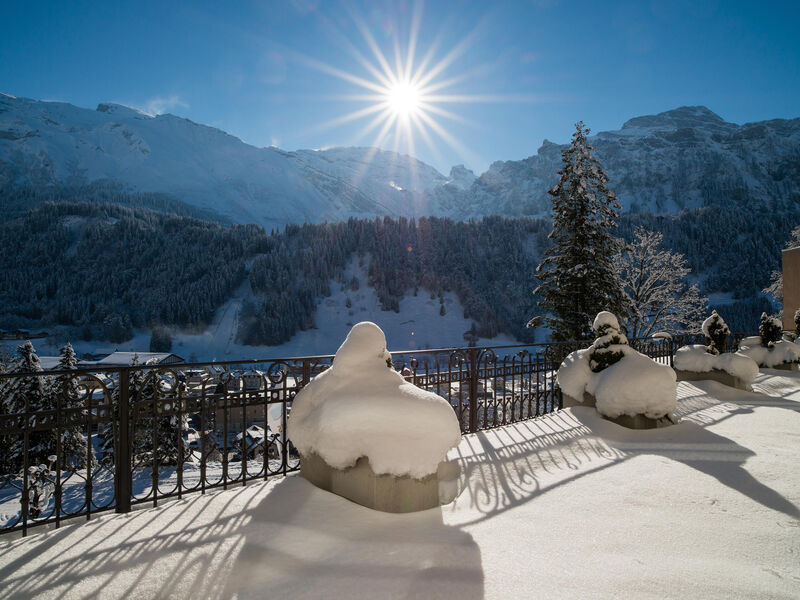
[
  {"x": 404, "y": 99},
  {"x": 402, "y": 93}
]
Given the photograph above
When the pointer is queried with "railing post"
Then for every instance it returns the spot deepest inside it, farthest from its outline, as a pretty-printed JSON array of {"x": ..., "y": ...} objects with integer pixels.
[
  {"x": 306, "y": 372},
  {"x": 122, "y": 467},
  {"x": 473, "y": 389}
]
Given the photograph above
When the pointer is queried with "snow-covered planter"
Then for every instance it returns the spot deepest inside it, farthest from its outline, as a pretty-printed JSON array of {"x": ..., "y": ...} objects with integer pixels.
[
  {"x": 711, "y": 362},
  {"x": 694, "y": 363},
  {"x": 626, "y": 386},
  {"x": 768, "y": 349},
  {"x": 365, "y": 433}
]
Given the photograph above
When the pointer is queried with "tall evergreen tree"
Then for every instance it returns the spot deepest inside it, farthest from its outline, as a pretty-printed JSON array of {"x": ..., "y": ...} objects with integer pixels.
[
  {"x": 153, "y": 423},
  {"x": 577, "y": 274},
  {"x": 21, "y": 395}
]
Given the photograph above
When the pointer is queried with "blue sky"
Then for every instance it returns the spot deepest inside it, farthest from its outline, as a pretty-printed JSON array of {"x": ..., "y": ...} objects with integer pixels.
[{"x": 524, "y": 71}]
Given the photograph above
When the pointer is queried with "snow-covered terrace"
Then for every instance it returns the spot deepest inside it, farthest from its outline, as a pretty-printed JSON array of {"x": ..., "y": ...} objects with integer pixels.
[{"x": 563, "y": 506}]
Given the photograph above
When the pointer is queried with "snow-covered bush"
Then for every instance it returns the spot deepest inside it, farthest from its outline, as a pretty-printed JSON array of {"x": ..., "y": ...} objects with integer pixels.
[
  {"x": 770, "y": 330},
  {"x": 633, "y": 384},
  {"x": 359, "y": 407},
  {"x": 608, "y": 339},
  {"x": 716, "y": 332},
  {"x": 797, "y": 322}
]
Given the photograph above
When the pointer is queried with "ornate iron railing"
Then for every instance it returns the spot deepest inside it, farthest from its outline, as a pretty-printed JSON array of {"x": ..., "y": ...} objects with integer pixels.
[{"x": 116, "y": 437}]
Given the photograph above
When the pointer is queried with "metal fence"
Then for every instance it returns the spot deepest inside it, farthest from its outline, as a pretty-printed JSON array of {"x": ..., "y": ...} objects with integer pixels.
[{"x": 83, "y": 442}]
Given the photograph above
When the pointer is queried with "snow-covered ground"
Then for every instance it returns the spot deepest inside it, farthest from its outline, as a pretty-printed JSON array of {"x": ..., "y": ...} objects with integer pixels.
[
  {"x": 564, "y": 506},
  {"x": 417, "y": 326}
]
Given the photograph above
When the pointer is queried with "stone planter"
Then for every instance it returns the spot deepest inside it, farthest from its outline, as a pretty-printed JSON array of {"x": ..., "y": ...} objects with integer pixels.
[
  {"x": 568, "y": 401},
  {"x": 718, "y": 375},
  {"x": 360, "y": 484},
  {"x": 636, "y": 422}
]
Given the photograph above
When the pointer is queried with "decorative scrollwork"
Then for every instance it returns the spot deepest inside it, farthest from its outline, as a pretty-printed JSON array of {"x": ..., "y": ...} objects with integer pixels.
[
  {"x": 487, "y": 356},
  {"x": 278, "y": 372},
  {"x": 458, "y": 359}
]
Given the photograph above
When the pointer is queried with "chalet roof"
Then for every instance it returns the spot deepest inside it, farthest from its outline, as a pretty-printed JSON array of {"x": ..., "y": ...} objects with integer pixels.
[
  {"x": 49, "y": 363},
  {"x": 145, "y": 358}
]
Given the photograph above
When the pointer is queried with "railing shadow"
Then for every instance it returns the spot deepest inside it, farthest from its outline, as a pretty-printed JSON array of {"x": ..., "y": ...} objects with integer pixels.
[
  {"x": 502, "y": 469},
  {"x": 281, "y": 540}
]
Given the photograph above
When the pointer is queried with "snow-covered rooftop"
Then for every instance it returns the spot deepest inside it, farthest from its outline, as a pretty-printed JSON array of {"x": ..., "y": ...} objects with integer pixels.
[
  {"x": 144, "y": 358},
  {"x": 564, "y": 506}
]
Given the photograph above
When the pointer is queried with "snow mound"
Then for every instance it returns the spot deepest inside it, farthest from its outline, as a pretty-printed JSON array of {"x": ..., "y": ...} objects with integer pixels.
[
  {"x": 634, "y": 385},
  {"x": 362, "y": 407},
  {"x": 574, "y": 373},
  {"x": 697, "y": 359},
  {"x": 605, "y": 318},
  {"x": 781, "y": 352}
]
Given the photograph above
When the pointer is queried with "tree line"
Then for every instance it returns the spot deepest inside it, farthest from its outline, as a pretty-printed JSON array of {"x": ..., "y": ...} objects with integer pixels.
[{"x": 101, "y": 269}]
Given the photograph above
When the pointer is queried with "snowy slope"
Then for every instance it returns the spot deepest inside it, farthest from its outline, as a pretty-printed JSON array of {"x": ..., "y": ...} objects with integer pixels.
[{"x": 683, "y": 158}]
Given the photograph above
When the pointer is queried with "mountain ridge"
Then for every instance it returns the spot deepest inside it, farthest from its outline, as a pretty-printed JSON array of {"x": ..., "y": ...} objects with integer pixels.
[{"x": 687, "y": 157}]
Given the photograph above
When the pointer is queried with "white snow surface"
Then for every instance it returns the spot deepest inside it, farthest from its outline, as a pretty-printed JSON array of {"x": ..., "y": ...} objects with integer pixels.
[
  {"x": 361, "y": 407},
  {"x": 704, "y": 509},
  {"x": 782, "y": 352},
  {"x": 695, "y": 358},
  {"x": 574, "y": 373}
]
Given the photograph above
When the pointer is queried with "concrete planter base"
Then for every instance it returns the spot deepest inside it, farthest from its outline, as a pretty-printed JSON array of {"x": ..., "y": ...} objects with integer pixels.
[
  {"x": 361, "y": 485},
  {"x": 785, "y": 367},
  {"x": 637, "y": 422},
  {"x": 588, "y": 400},
  {"x": 718, "y": 375}
]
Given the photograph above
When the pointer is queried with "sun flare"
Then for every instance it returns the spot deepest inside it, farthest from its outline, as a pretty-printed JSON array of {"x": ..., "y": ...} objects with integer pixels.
[
  {"x": 404, "y": 99},
  {"x": 403, "y": 92}
]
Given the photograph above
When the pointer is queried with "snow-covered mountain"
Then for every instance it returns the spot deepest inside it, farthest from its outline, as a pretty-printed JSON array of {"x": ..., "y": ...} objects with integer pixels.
[
  {"x": 682, "y": 158},
  {"x": 44, "y": 143}
]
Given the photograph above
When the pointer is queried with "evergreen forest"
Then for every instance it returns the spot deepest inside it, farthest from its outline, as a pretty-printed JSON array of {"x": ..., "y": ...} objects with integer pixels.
[{"x": 102, "y": 268}]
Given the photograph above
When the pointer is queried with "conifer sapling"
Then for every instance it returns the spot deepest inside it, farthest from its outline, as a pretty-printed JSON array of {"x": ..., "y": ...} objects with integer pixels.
[
  {"x": 770, "y": 330},
  {"x": 609, "y": 340},
  {"x": 716, "y": 332}
]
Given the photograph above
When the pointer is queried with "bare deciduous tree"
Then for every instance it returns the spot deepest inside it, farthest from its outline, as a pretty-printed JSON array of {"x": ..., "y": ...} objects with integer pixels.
[
  {"x": 654, "y": 280},
  {"x": 775, "y": 287}
]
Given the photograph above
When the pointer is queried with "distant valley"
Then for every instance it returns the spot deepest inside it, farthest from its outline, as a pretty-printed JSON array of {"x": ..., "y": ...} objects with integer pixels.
[{"x": 118, "y": 222}]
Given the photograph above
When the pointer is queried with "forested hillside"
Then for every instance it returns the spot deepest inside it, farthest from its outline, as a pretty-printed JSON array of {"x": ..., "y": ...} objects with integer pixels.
[
  {"x": 101, "y": 269},
  {"x": 105, "y": 268}
]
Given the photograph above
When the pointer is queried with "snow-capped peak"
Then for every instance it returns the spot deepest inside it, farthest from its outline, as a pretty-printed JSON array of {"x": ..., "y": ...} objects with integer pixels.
[
  {"x": 684, "y": 116},
  {"x": 461, "y": 177}
]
